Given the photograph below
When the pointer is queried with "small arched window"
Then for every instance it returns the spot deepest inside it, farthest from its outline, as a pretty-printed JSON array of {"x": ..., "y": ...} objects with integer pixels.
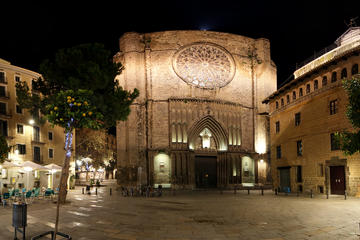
[
  {"x": 300, "y": 92},
  {"x": 282, "y": 102},
  {"x": 344, "y": 73},
  {"x": 324, "y": 81},
  {"x": 355, "y": 69},
  {"x": 287, "y": 99},
  {"x": 277, "y": 104},
  {"x": 294, "y": 95},
  {"x": 307, "y": 88},
  {"x": 316, "y": 84},
  {"x": 334, "y": 77}
]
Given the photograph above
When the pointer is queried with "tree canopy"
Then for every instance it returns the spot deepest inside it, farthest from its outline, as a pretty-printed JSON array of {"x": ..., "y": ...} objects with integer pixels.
[
  {"x": 4, "y": 149},
  {"x": 350, "y": 141},
  {"x": 89, "y": 67}
]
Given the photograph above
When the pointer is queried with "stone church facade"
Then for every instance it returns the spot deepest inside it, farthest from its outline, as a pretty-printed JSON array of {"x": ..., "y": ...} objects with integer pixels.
[{"x": 199, "y": 120}]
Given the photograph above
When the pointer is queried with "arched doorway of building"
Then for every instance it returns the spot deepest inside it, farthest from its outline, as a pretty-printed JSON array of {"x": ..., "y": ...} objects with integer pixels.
[{"x": 206, "y": 138}]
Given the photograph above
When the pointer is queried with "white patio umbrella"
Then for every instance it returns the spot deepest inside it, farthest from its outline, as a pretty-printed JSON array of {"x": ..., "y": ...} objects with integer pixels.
[
  {"x": 7, "y": 164},
  {"x": 53, "y": 168},
  {"x": 29, "y": 166}
]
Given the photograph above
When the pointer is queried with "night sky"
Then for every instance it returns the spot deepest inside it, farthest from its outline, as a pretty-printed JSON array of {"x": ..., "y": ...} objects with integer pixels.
[{"x": 33, "y": 32}]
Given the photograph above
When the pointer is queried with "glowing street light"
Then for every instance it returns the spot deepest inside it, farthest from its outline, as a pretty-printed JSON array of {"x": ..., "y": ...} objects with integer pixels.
[{"x": 31, "y": 121}]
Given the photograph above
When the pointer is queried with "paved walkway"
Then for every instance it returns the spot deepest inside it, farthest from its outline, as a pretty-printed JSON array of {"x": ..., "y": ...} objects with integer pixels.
[{"x": 194, "y": 215}]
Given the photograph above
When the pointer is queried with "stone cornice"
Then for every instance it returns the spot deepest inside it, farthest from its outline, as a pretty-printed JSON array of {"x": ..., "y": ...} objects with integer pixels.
[{"x": 19, "y": 70}]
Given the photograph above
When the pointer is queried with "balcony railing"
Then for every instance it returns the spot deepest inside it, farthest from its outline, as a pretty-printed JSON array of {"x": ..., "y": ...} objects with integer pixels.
[
  {"x": 5, "y": 113},
  {"x": 5, "y": 95},
  {"x": 3, "y": 80},
  {"x": 38, "y": 159}
]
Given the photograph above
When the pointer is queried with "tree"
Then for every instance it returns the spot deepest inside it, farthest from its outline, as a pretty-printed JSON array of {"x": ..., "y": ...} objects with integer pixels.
[
  {"x": 77, "y": 90},
  {"x": 350, "y": 141},
  {"x": 4, "y": 149}
]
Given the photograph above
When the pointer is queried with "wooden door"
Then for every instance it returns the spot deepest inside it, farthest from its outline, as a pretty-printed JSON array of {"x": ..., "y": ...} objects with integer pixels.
[
  {"x": 205, "y": 171},
  {"x": 284, "y": 179},
  {"x": 337, "y": 180}
]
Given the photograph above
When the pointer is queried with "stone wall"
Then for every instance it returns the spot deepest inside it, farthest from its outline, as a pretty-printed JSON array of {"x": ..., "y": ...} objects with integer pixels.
[{"x": 168, "y": 102}]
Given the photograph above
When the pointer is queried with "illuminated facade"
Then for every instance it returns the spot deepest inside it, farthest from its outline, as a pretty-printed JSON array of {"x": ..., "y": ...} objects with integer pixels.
[
  {"x": 198, "y": 121},
  {"x": 305, "y": 114},
  {"x": 32, "y": 141}
]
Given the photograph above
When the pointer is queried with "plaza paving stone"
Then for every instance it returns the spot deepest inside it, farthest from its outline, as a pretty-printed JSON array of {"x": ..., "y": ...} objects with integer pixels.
[{"x": 193, "y": 215}]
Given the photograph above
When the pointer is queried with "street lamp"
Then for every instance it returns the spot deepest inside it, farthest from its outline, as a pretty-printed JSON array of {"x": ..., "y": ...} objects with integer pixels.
[{"x": 31, "y": 121}]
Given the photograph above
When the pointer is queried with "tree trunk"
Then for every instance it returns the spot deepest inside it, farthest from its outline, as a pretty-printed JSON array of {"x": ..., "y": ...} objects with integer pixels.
[{"x": 64, "y": 177}]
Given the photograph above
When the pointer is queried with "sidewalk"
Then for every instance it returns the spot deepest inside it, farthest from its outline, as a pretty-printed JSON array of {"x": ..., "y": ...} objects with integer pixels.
[{"x": 193, "y": 215}]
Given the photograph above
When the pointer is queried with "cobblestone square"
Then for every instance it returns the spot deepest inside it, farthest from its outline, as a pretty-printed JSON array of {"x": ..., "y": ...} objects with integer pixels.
[{"x": 194, "y": 215}]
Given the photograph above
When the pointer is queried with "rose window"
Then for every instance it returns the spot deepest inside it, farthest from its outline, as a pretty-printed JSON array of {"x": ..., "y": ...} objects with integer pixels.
[{"x": 204, "y": 65}]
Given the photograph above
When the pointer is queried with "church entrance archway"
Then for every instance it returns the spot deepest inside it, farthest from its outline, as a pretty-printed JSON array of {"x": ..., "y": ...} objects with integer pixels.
[{"x": 205, "y": 171}]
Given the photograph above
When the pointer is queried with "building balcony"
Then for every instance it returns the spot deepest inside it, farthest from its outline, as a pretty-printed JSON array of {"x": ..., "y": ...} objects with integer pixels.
[
  {"x": 5, "y": 95},
  {"x": 38, "y": 159},
  {"x": 36, "y": 140},
  {"x": 3, "y": 80},
  {"x": 5, "y": 114}
]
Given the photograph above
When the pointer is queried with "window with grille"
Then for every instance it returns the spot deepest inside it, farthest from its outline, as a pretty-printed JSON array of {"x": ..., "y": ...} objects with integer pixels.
[
  {"x": 344, "y": 73},
  {"x": 297, "y": 119},
  {"x": 299, "y": 148},
  {"x": 21, "y": 148},
  {"x": 334, "y": 77},
  {"x": 355, "y": 69},
  {"x": 278, "y": 152},
  {"x": 316, "y": 84},
  {"x": 324, "y": 81},
  {"x": 333, "y": 107},
  {"x": 334, "y": 141},
  {"x": 277, "y": 127},
  {"x": 20, "y": 129}
]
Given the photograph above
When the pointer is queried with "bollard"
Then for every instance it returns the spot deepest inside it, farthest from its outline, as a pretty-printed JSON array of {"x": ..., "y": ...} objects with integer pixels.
[
  {"x": 276, "y": 191},
  {"x": 110, "y": 191},
  {"x": 327, "y": 194},
  {"x": 248, "y": 191},
  {"x": 345, "y": 195},
  {"x": 311, "y": 194},
  {"x": 82, "y": 190},
  {"x": 95, "y": 191},
  {"x": 262, "y": 191}
]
